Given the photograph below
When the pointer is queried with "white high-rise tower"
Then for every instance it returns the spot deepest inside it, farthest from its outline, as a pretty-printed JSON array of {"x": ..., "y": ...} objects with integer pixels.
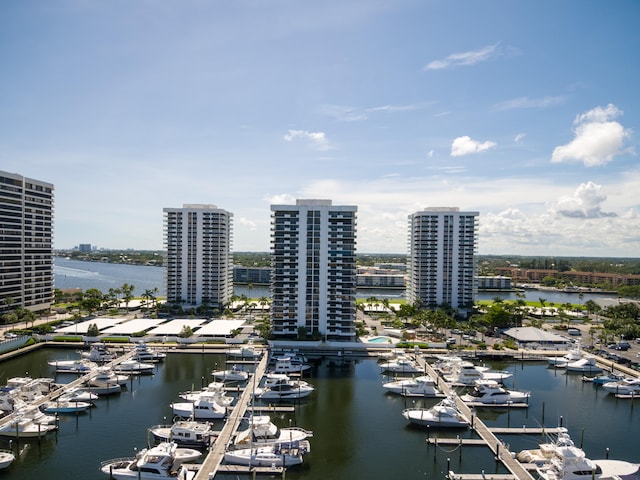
[
  {"x": 441, "y": 262},
  {"x": 198, "y": 261},
  {"x": 313, "y": 282}
]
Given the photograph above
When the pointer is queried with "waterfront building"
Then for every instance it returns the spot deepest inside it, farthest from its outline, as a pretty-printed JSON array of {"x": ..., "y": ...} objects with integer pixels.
[
  {"x": 252, "y": 275},
  {"x": 494, "y": 282},
  {"x": 198, "y": 261},
  {"x": 313, "y": 280},
  {"x": 441, "y": 262},
  {"x": 374, "y": 277},
  {"x": 26, "y": 270}
]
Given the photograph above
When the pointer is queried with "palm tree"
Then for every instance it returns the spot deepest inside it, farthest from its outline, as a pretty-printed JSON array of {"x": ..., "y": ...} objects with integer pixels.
[{"x": 127, "y": 294}]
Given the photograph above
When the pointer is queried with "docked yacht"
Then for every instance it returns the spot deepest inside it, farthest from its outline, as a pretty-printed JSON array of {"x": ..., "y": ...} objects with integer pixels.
[
  {"x": 144, "y": 353},
  {"x": 285, "y": 389},
  {"x": 442, "y": 415},
  {"x": 160, "y": 462},
  {"x": 245, "y": 352},
  {"x": 422, "y": 386},
  {"x": 289, "y": 365},
  {"x": 134, "y": 367},
  {"x": 25, "y": 426},
  {"x": 270, "y": 455},
  {"x": 186, "y": 433},
  {"x": 624, "y": 387},
  {"x": 79, "y": 366},
  {"x": 492, "y": 394},
  {"x": 467, "y": 374},
  {"x": 201, "y": 409},
  {"x": 584, "y": 365},
  {"x": 571, "y": 356},
  {"x": 401, "y": 365},
  {"x": 262, "y": 431},
  {"x": 234, "y": 374},
  {"x": 99, "y": 353}
]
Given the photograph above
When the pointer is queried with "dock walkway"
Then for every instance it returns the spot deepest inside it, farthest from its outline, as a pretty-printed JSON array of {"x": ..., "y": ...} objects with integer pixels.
[
  {"x": 212, "y": 463},
  {"x": 516, "y": 468}
]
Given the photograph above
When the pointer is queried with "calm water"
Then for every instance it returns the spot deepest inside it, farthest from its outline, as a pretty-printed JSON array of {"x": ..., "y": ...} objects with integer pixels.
[
  {"x": 103, "y": 276},
  {"x": 359, "y": 432}
]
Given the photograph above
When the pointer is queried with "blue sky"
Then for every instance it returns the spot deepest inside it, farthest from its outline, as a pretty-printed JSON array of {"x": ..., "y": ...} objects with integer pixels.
[{"x": 527, "y": 112}]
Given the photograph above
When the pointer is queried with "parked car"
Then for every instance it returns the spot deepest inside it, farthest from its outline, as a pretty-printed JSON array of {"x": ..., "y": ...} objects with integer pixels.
[{"x": 623, "y": 346}]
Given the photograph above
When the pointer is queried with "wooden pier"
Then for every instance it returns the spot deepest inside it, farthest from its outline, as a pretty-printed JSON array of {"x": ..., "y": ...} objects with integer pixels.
[{"x": 517, "y": 470}]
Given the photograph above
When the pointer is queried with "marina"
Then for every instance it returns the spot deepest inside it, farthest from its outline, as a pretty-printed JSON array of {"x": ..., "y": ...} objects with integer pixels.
[{"x": 335, "y": 406}]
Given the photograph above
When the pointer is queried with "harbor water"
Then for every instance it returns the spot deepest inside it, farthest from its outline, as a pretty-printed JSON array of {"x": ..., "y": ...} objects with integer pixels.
[{"x": 358, "y": 429}]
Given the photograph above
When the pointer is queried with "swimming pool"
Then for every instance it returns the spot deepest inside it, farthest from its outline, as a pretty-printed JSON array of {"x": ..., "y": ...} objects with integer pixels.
[{"x": 382, "y": 340}]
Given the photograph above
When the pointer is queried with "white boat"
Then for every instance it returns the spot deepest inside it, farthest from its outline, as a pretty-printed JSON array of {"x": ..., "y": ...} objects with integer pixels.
[
  {"x": 491, "y": 393},
  {"x": 162, "y": 461},
  {"x": 401, "y": 365},
  {"x": 6, "y": 458},
  {"x": 105, "y": 381},
  {"x": 248, "y": 352},
  {"x": 422, "y": 386},
  {"x": 271, "y": 455},
  {"x": 562, "y": 460},
  {"x": 201, "y": 409},
  {"x": 572, "y": 355},
  {"x": 625, "y": 387},
  {"x": 144, "y": 353},
  {"x": 212, "y": 395},
  {"x": 285, "y": 389},
  {"x": 76, "y": 394},
  {"x": 584, "y": 365},
  {"x": 443, "y": 415},
  {"x": 22, "y": 426},
  {"x": 99, "y": 353},
  {"x": 79, "y": 366},
  {"x": 65, "y": 406},
  {"x": 467, "y": 374},
  {"x": 262, "y": 430},
  {"x": 186, "y": 433},
  {"x": 133, "y": 367},
  {"x": 230, "y": 375},
  {"x": 288, "y": 365}
]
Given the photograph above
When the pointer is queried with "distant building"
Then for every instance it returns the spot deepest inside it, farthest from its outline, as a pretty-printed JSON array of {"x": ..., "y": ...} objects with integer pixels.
[
  {"x": 85, "y": 248},
  {"x": 441, "y": 262},
  {"x": 372, "y": 277},
  {"x": 198, "y": 261},
  {"x": 494, "y": 282},
  {"x": 26, "y": 249},
  {"x": 313, "y": 282},
  {"x": 252, "y": 275}
]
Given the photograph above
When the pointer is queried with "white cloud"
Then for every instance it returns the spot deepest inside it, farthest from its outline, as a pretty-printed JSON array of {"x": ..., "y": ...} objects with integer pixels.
[
  {"x": 465, "y": 146},
  {"x": 597, "y": 138},
  {"x": 585, "y": 202},
  {"x": 526, "y": 102},
  {"x": 318, "y": 139},
  {"x": 519, "y": 137},
  {"x": 280, "y": 199},
  {"x": 245, "y": 222},
  {"x": 471, "y": 57},
  {"x": 431, "y": 153}
]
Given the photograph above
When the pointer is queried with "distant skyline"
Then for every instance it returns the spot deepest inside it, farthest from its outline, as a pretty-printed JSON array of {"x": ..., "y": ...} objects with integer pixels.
[{"x": 526, "y": 112}]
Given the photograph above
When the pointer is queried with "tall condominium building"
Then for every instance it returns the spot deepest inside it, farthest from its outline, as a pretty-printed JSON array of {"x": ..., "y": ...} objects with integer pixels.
[
  {"x": 313, "y": 280},
  {"x": 198, "y": 262},
  {"x": 441, "y": 262},
  {"x": 26, "y": 245}
]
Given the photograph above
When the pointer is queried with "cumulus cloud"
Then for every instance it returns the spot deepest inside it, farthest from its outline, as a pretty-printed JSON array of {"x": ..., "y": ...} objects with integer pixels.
[
  {"x": 280, "y": 199},
  {"x": 245, "y": 222},
  {"x": 471, "y": 57},
  {"x": 597, "y": 138},
  {"x": 519, "y": 137},
  {"x": 317, "y": 139},
  {"x": 585, "y": 202},
  {"x": 465, "y": 146}
]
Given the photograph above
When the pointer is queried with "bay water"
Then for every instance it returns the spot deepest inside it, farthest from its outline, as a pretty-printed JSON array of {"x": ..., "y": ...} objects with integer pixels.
[{"x": 359, "y": 431}]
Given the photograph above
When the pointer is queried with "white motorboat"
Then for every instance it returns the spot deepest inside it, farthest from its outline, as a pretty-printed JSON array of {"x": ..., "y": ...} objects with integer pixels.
[
  {"x": 248, "y": 352},
  {"x": 145, "y": 353},
  {"x": 76, "y": 394},
  {"x": 65, "y": 406},
  {"x": 210, "y": 394},
  {"x": 162, "y": 461},
  {"x": 6, "y": 458},
  {"x": 584, "y": 365},
  {"x": 21, "y": 426},
  {"x": 186, "y": 433},
  {"x": 467, "y": 374},
  {"x": 624, "y": 387},
  {"x": 230, "y": 375},
  {"x": 99, "y": 353},
  {"x": 106, "y": 381},
  {"x": 79, "y": 366},
  {"x": 134, "y": 367},
  {"x": 401, "y": 365},
  {"x": 443, "y": 415},
  {"x": 201, "y": 409},
  {"x": 491, "y": 394},
  {"x": 562, "y": 460},
  {"x": 288, "y": 365},
  {"x": 270, "y": 455},
  {"x": 285, "y": 389},
  {"x": 422, "y": 386},
  {"x": 262, "y": 430},
  {"x": 572, "y": 355}
]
